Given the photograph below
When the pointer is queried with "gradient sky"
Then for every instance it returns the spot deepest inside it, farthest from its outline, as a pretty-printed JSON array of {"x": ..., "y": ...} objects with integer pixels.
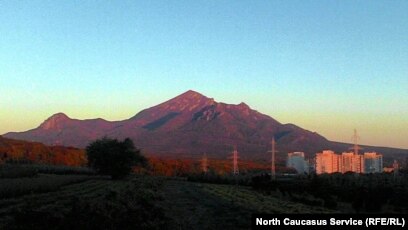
[{"x": 327, "y": 66}]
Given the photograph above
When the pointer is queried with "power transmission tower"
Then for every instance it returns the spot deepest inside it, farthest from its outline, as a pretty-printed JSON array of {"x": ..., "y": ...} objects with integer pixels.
[
  {"x": 235, "y": 161},
  {"x": 355, "y": 139},
  {"x": 204, "y": 163},
  {"x": 273, "y": 151}
]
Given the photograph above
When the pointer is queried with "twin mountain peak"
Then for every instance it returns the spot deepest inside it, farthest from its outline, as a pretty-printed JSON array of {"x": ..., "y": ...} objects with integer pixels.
[
  {"x": 187, "y": 125},
  {"x": 188, "y": 102}
]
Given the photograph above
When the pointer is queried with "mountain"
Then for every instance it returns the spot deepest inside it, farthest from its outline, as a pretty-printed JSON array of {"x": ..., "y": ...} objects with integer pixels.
[
  {"x": 189, "y": 125},
  {"x": 59, "y": 129}
]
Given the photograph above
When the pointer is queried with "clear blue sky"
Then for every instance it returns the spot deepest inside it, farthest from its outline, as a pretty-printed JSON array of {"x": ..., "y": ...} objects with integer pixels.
[{"x": 328, "y": 66}]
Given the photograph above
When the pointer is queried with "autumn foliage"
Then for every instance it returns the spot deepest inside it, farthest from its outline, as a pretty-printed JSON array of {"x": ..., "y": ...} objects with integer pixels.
[
  {"x": 16, "y": 151},
  {"x": 184, "y": 167}
]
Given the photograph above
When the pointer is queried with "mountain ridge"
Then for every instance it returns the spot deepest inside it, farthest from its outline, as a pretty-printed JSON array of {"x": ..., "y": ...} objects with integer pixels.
[{"x": 188, "y": 124}]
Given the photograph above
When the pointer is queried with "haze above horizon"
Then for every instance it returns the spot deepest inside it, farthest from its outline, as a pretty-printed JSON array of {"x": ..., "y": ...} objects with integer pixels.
[{"x": 326, "y": 66}]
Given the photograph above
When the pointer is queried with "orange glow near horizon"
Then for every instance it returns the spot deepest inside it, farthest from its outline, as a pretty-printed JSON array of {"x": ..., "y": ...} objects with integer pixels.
[
  {"x": 384, "y": 128},
  {"x": 377, "y": 131}
]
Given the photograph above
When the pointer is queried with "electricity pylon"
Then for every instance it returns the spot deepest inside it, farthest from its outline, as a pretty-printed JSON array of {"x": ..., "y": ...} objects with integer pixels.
[
  {"x": 355, "y": 139},
  {"x": 273, "y": 151},
  {"x": 204, "y": 163},
  {"x": 235, "y": 161}
]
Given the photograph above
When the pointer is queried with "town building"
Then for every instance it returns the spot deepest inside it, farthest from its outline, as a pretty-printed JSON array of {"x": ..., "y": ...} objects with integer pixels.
[
  {"x": 297, "y": 161},
  {"x": 352, "y": 162},
  {"x": 373, "y": 162},
  {"x": 327, "y": 162}
]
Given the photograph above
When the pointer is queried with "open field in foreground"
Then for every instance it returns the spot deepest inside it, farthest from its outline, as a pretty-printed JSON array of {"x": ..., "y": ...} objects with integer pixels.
[
  {"x": 139, "y": 202},
  {"x": 214, "y": 206}
]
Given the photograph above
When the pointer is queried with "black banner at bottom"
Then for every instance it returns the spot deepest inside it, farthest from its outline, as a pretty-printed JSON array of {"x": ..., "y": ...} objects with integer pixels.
[{"x": 325, "y": 221}]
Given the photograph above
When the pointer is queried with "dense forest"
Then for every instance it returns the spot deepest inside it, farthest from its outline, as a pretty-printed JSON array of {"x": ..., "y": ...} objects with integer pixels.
[{"x": 31, "y": 152}]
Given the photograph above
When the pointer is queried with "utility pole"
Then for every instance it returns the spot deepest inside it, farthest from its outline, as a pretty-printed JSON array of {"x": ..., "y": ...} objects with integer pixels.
[{"x": 273, "y": 151}]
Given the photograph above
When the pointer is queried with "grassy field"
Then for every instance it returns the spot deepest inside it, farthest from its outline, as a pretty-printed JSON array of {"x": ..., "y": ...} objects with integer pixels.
[
  {"x": 55, "y": 191},
  {"x": 139, "y": 202},
  {"x": 90, "y": 202},
  {"x": 191, "y": 205}
]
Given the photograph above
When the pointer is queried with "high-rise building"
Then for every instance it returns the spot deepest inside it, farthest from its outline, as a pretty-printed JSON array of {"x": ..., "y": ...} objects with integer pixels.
[
  {"x": 358, "y": 164},
  {"x": 347, "y": 162},
  {"x": 297, "y": 161},
  {"x": 373, "y": 163},
  {"x": 328, "y": 162},
  {"x": 352, "y": 162}
]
